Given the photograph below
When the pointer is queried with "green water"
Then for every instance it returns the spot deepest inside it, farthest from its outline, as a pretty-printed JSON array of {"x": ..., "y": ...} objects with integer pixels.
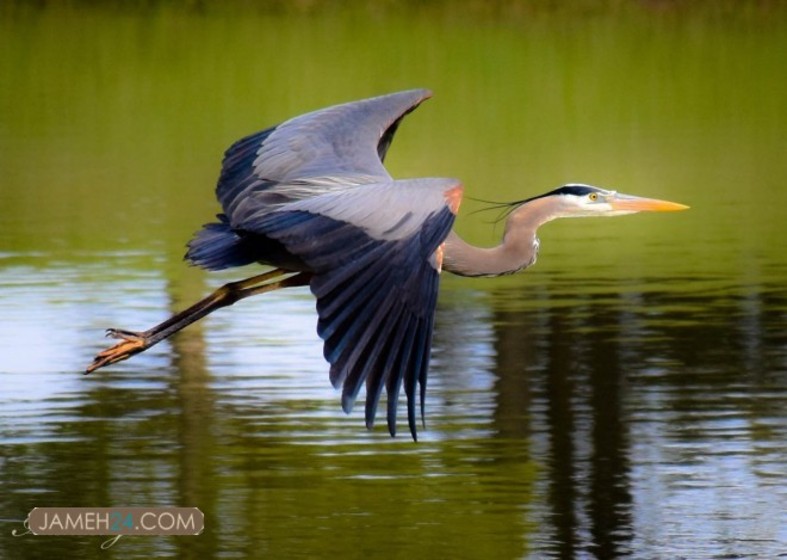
[{"x": 625, "y": 397}]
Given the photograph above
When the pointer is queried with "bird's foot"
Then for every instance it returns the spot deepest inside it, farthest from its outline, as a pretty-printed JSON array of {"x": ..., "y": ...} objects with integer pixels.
[
  {"x": 125, "y": 335},
  {"x": 131, "y": 343}
]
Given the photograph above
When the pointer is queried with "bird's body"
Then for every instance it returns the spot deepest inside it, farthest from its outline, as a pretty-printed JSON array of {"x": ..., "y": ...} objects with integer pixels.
[{"x": 311, "y": 198}]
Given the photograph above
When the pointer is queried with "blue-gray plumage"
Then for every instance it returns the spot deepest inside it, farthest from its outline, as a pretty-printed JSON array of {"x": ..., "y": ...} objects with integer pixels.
[{"x": 312, "y": 198}]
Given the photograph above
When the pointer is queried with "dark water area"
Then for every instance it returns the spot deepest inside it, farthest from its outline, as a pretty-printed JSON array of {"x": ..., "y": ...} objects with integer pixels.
[
  {"x": 625, "y": 397},
  {"x": 613, "y": 423}
]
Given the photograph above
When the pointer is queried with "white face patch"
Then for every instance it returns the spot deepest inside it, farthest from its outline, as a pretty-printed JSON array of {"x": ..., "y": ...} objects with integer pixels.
[{"x": 597, "y": 203}]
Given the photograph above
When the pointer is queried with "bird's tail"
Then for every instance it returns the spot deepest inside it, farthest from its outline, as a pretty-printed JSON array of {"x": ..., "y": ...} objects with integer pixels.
[{"x": 216, "y": 246}]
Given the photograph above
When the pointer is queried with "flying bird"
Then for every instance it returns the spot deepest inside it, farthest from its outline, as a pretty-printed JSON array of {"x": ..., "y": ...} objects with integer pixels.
[{"x": 311, "y": 198}]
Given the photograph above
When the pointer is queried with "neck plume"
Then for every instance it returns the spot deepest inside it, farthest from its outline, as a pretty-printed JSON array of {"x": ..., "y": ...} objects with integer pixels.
[{"x": 517, "y": 250}]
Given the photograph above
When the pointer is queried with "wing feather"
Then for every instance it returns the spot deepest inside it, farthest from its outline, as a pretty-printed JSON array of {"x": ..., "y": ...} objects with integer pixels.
[
  {"x": 290, "y": 198},
  {"x": 393, "y": 381},
  {"x": 361, "y": 362},
  {"x": 386, "y": 354},
  {"x": 376, "y": 287},
  {"x": 336, "y": 146}
]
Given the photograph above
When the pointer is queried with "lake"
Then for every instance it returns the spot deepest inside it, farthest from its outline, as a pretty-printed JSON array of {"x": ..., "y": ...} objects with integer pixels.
[{"x": 625, "y": 397}]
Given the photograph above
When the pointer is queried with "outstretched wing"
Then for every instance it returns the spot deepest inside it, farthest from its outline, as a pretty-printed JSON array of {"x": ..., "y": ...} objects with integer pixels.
[
  {"x": 375, "y": 255},
  {"x": 341, "y": 145}
]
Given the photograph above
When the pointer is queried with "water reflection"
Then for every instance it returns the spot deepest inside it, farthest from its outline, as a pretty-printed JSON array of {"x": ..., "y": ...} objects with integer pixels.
[
  {"x": 569, "y": 358},
  {"x": 587, "y": 418},
  {"x": 651, "y": 402}
]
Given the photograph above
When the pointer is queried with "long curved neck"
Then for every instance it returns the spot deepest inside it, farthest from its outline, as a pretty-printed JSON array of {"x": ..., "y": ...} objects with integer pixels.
[{"x": 517, "y": 250}]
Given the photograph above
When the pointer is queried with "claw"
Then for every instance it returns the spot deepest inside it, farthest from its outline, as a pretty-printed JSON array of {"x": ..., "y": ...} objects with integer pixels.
[
  {"x": 125, "y": 335},
  {"x": 131, "y": 343}
]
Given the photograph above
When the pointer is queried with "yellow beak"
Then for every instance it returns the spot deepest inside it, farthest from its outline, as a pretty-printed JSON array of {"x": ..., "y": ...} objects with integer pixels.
[{"x": 639, "y": 204}]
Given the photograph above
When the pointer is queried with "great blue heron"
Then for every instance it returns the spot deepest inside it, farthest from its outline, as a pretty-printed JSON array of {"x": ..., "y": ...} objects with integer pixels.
[{"x": 311, "y": 198}]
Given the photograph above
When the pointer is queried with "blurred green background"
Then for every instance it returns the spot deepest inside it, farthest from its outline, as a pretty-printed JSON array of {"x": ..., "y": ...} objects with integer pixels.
[{"x": 114, "y": 117}]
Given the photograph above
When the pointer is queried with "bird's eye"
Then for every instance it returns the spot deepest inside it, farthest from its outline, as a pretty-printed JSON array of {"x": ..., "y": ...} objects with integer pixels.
[{"x": 593, "y": 196}]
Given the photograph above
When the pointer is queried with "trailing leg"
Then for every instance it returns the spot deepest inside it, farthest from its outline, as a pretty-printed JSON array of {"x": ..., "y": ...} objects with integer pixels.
[{"x": 135, "y": 342}]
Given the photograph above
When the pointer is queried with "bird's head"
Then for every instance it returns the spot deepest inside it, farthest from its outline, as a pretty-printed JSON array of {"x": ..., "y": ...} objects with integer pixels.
[{"x": 577, "y": 200}]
